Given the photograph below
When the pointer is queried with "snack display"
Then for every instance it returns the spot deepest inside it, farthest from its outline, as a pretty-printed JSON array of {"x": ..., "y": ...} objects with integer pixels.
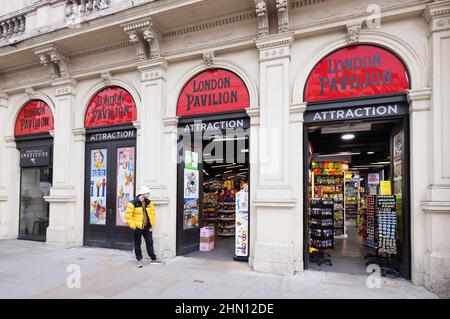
[
  {"x": 210, "y": 207},
  {"x": 331, "y": 187}
]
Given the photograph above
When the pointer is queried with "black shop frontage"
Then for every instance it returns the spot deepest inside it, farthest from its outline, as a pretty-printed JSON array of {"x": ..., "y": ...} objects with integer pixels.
[
  {"x": 213, "y": 167},
  {"x": 356, "y": 164},
  {"x": 110, "y": 168},
  {"x": 33, "y": 126}
]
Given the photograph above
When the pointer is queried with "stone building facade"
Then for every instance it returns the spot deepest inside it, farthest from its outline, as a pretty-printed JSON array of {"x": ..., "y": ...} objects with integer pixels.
[{"x": 64, "y": 52}]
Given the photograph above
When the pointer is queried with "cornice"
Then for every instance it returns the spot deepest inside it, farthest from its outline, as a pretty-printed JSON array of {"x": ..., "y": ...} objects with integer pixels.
[
  {"x": 102, "y": 49},
  {"x": 275, "y": 41},
  {"x": 437, "y": 10},
  {"x": 211, "y": 23},
  {"x": 293, "y": 5}
]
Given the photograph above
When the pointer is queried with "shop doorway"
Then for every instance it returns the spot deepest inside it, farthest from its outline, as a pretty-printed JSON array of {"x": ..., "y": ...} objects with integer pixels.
[
  {"x": 35, "y": 183},
  {"x": 110, "y": 164},
  {"x": 213, "y": 167},
  {"x": 213, "y": 187},
  {"x": 109, "y": 186},
  {"x": 358, "y": 197},
  {"x": 32, "y": 129}
]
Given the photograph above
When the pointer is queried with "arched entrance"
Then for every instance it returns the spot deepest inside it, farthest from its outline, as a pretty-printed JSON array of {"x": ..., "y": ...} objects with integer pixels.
[
  {"x": 213, "y": 166},
  {"x": 110, "y": 167},
  {"x": 32, "y": 133},
  {"x": 356, "y": 153}
]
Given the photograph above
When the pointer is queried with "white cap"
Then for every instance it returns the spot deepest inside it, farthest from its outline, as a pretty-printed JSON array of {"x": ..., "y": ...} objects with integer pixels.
[{"x": 143, "y": 190}]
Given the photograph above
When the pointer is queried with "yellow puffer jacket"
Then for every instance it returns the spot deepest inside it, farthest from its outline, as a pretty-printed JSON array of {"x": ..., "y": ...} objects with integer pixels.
[{"x": 134, "y": 216}]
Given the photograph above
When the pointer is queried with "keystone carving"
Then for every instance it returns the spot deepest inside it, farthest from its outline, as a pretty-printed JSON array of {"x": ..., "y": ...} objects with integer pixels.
[
  {"x": 55, "y": 59},
  {"x": 263, "y": 19},
  {"x": 353, "y": 32},
  {"x": 147, "y": 38},
  {"x": 208, "y": 58}
]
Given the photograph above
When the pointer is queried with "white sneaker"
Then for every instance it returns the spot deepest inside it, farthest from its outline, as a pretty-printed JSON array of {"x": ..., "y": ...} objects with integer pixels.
[
  {"x": 140, "y": 264},
  {"x": 157, "y": 262}
]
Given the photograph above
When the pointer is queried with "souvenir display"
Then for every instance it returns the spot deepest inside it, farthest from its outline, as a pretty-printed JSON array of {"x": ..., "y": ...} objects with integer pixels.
[
  {"x": 387, "y": 224},
  {"x": 322, "y": 223},
  {"x": 371, "y": 222},
  {"x": 329, "y": 183},
  {"x": 242, "y": 236}
]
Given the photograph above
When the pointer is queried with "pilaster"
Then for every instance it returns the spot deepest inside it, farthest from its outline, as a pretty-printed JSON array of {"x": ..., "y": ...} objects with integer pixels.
[
  {"x": 64, "y": 218},
  {"x": 273, "y": 203},
  {"x": 152, "y": 152},
  {"x": 437, "y": 206}
]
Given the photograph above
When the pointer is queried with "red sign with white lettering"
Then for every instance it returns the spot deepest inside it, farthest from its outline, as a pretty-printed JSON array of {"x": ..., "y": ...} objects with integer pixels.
[
  {"x": 34, "y": 117},
  {"x": 356, "y": 71},
  {"x": 213, "y": 91},
  {"x": 109, "y": 107}
]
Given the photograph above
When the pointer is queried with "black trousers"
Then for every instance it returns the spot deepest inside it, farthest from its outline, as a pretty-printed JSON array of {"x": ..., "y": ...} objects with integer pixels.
[{"x": 148, "y": 237}]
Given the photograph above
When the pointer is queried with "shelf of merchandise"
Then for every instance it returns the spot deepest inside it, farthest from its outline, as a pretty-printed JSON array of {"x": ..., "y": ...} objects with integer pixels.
[
  {"x": 225, "y": 235},
  {"x": 351, "y": 200},
  {"x": 226, "y": 209},
  {"x": 336, "y": 182}
]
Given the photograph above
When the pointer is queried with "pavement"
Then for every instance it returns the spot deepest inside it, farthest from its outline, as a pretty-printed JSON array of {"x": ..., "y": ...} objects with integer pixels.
[{"x": 34, "y": 270}]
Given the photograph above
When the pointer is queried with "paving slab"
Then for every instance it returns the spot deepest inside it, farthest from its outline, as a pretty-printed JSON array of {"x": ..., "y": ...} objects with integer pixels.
[{"x": 35, "y": 270}]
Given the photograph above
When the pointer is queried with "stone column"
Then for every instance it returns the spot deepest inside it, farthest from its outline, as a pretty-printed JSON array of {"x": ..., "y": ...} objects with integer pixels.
[
  {"x": 273, "y": 199},
  {"x": 437, "y": 208},
  {"x": 3, "y": 164},
  {"x": 169, "y": 179},
  {"x": 420, "y": 150},
  {"x": 254, "y": 115},
  {"x": 10, "y": 215},
  {"x": 3, "y": 125},
  {"x": 153, "y": 90},
  {"x": 62, "y": 199}
]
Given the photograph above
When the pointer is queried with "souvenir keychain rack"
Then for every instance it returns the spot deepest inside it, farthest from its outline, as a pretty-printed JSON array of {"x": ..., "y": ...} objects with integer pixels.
[
  {"x": 381, "y": 232},
  {"x": 387, "y": 237},
  {"x": 321, "y": 229}
]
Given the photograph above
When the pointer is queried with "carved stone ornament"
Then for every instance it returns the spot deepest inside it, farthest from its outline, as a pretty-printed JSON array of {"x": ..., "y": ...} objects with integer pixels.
[
  {"x": 263, "y": 19},
  {"x": 283, "y": 16},
  {"x": 353, "y": 32},
  {"x": 55, "y": 59},
  {"x": 208, "y": 58},
  {"x": 106, "y": 77},
  {"x": 145, "y": 35}
]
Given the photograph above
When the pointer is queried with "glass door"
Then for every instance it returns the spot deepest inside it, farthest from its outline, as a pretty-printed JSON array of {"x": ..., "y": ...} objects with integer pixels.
[
  {"x": 110, "y": 186},
  {"x": 34, "y": 210}
]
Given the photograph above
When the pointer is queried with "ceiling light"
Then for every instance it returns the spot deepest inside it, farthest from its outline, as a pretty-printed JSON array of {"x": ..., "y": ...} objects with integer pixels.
[
  {"x": 370, "y": 153},
  {"x": 244, "y": 151},
  {"x": 348, "y": 136}
]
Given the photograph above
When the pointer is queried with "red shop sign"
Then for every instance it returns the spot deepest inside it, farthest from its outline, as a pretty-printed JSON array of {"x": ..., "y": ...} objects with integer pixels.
[
  {"x": 35, "y": 117},
  {"x": 111, "y": 106},
  {"x": 356, "y": 71},
  {"x": 213, "y": 91}
]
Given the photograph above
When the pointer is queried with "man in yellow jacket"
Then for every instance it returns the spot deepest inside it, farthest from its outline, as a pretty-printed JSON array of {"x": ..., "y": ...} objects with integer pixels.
[{"x": 140, "y": 217}]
